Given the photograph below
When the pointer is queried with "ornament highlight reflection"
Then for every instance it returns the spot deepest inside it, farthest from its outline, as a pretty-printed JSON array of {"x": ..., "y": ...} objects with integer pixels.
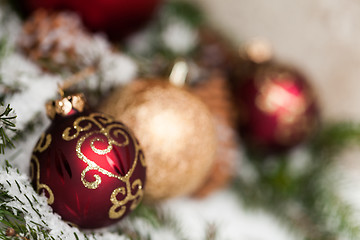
[{"x": 176, "y": 131}]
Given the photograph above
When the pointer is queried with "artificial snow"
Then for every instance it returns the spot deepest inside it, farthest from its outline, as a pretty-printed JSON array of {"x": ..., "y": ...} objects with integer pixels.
[
  {"x": 179, "y": 37},
  {"x": 34, "y": 88},
  {"x": 231, "y": 220}
]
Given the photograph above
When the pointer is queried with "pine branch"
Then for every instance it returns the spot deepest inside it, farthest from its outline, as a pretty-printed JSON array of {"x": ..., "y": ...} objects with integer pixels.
[
  {"x": 3, "y": 47},
  {"x": 211, "y": 232},
  {"x": 7, "y": 126},
  {"x": 13, "y": 217},
  {"x": 333, "y": 138},
  {"x": 306, "y": 203},
  {"x": 172, "y": 12},
  {"x": 23, "y": 213},
  {"x": 186, "y": 11},
  {"x": 158, "y": 218}
]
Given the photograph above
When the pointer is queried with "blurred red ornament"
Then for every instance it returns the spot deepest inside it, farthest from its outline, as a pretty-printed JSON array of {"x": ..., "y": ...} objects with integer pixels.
[
  {"x": 91, "y": 168},
  {"x": 277, "y": 108},
  {"x": 117, "y": 18}
]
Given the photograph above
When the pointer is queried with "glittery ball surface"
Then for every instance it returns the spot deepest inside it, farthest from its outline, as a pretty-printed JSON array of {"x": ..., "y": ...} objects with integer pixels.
[{"x": 176, "y": 131}]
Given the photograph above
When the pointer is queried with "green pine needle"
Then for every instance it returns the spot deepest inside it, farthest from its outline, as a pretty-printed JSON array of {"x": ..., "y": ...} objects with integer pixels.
[
  {"x": 307, "y": 203},
  {"x": 185, "y": 11},
  {"x": 158, "y": 218},
  {"x": 7, "y": 119}
]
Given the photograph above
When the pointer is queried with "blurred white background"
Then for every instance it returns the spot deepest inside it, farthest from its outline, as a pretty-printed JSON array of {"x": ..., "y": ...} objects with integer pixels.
[{"x": 320, "y": 37}]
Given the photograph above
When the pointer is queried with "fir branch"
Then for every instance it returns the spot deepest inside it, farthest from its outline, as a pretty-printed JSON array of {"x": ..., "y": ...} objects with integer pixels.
[
  {"x": 185, "y": 11},
  {"x": 148, "y": 212},
  {"x": 169, "y": 221},
  {"x": 157, "y": 57},
  {"x": 7, "y": 126},
  {"x": 14, "y": 211},
  {"x": 306, "y": 203},
  {"x": 15, "y": 5},
  {"x": 157, "y": 218},
  {"x": 3, "y": 47},
  {"x": 333, "y": 138},
  {"x": 211, "y": 232}
]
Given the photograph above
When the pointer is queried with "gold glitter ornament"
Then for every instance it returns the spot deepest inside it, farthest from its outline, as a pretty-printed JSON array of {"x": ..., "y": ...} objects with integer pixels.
[
  {"x": 176, "y": 131},
  {"x": 215, "y": 94}
]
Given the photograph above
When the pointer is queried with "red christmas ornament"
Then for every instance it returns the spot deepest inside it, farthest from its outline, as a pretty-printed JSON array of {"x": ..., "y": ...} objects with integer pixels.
[
  {"x": 117, "y": 18},
  {"x": 90, "y": 167},
  {"x": 277, "y": 108}
]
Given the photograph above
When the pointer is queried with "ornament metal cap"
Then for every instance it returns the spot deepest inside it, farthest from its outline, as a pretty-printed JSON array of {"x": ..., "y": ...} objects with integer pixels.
[
  {"x": 66, "y": 105},
  {"x": 258, "y": 50},
  {"x": 179, "y": 73}
]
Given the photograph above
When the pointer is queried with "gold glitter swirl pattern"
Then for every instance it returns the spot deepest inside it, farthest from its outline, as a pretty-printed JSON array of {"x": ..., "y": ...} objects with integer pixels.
[
  {"x": 110, "y": 135},
  {"x": 40, "y": 186},
  {"x": 142, "y": 159},
  {"x": 100, "y": 151},
  {"x": 114, "y": 211},
  {"x": 66, "y": 134},
  {"x": 43, "y": 143},
  {"x": 90, "y": 185},
  {"x": 118, "y": 209},
  {"x": 139, "y": 195},
  {"x": 92, "y": 165}
]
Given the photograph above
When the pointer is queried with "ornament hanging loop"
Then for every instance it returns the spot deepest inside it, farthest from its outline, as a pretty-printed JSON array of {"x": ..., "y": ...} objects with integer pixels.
[
  {"x": 257, "y": 50},
  {"x": 76, "y": 102},
  {"x": 75, "y": 79},
  {"x": 78, "y": 77},
  {"x": 60, "y": 91}
]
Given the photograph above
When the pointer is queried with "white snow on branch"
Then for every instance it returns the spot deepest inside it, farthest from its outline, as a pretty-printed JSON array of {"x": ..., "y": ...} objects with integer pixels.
[
  {"x": 179, "y": 37},
  {"x": 9, "y": 25},
  {"x": 230, "y": 219},
  {"x": 34, "y": 88},
  {"x": 37, "y": 211}
]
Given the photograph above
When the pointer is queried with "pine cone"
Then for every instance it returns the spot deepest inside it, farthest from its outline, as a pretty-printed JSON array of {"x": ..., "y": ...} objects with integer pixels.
[
  {"x": 215, "y": 94},
  {"x": 49, "y": 39}
]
